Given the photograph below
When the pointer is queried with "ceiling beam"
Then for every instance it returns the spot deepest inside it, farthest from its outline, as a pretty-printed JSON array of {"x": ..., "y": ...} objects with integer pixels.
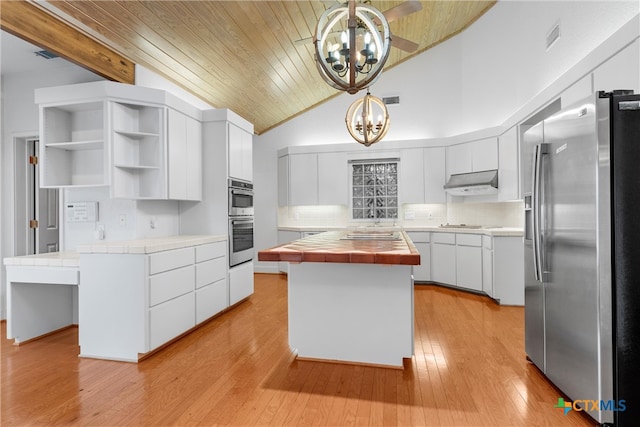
[{"x": 36, "y": 26}]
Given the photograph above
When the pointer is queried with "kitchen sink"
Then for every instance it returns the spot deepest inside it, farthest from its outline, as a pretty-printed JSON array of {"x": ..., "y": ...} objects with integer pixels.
[{"x": 372, "y": 235}]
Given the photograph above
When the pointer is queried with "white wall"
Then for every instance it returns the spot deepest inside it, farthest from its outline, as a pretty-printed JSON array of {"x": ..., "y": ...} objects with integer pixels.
[
  {"x": 20, "y": 118},
  {"x": 491, "y": 75}
]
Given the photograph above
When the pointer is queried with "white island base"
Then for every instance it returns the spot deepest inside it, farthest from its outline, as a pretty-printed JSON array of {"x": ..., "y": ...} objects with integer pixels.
[{"x": 349, "y": 312}]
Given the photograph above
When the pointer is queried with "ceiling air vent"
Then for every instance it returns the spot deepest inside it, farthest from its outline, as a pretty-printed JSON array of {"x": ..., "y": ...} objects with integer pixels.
[
  {"x": 391, "y": 100},
  {"x": 46, "y": 54},
  {"x": 553, "y": 35}
]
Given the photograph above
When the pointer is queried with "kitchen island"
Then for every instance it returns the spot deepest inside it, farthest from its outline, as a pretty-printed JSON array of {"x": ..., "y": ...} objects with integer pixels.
[{"x": 350, "y": 296}]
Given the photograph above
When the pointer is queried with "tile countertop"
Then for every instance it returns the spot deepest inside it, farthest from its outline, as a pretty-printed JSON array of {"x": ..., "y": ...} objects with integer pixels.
[
  {"x": 50, "y": 259},
  {"x": 489, "y": 231},
  {"x": 150, "y": 245},
  {"x": 332, "y": 247}
]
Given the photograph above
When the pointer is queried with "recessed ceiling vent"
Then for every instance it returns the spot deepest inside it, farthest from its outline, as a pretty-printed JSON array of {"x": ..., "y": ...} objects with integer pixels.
[
  {"x": 553, "y": 35},
  {"x": 46, "y": 54},
  {"x": 391, "y": 100}
]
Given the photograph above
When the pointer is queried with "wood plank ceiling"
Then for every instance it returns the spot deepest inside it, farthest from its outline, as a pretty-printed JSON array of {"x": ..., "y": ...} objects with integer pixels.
[{"x": 242, "y": 55}]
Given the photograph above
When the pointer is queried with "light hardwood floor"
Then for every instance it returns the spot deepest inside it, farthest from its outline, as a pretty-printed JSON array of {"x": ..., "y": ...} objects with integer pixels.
[{"x": 469, "y": 369}]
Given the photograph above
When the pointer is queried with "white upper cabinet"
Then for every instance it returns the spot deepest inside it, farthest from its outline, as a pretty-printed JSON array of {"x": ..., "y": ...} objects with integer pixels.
[
  {"x": 240, "y": 153},
  {"x": 184, "y": 157},
  {"x": 306, "y": 179},
  {"x": 73, "y": 147},
  {"x": 127, "y": 137},
  {"x": 435, "y": 175},
  {"x": 411, "y": 180},
  {"x": 303, "y": 179},
  {"x": 422, "y": 175},
  {"x": 333, "y": 179},
  {"x": 472, "y": 156},
  {"x": 509, "y": 160},
  {"x": 138, "y": 141}
]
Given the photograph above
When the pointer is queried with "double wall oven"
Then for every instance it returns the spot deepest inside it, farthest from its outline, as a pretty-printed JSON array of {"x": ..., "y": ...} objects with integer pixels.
[{"x": 240, "y": 221}]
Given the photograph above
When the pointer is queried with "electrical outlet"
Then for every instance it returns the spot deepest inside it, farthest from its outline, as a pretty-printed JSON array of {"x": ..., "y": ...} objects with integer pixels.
[
  {"x": 99, "y": 233},
  {"x": 122, "y": 219}
]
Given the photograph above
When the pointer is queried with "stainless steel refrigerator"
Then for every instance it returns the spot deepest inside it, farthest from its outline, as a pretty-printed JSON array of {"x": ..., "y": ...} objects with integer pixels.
[{"x": 582, "y": 253}]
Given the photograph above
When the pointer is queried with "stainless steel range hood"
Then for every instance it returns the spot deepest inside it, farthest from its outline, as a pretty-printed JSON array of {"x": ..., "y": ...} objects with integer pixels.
[{"x": 473, "y": 183}]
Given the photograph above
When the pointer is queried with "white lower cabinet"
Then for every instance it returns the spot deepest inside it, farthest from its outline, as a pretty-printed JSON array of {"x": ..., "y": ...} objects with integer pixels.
[
  {"x": 469, "y": 261},
  {"x": 487, "y": 265},
  {"x": 212, "y": 292},
  {"x": 443, "y": 258},
  {"x": 421, "y": 240},
  {"x": 130, "y": 304},
  {"x": 240, "y": 282}
]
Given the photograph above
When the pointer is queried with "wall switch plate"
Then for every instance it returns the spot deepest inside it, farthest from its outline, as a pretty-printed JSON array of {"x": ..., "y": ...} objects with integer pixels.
[
  {"x": 122, "y": 219},
  {"x": 409, "y": 215}
]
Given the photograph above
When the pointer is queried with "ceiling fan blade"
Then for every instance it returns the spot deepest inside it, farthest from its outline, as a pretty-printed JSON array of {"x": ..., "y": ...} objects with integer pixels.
[
  {"x": 403, "y": 44},
  {"x": 403, "y": 9}
]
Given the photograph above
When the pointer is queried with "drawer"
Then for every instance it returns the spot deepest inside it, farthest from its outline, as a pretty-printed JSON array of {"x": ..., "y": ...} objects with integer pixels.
[
  {"x": 419, "y": 236},
  {"x": 211, "y": 300},
  {"x": 170, "y": 319},
  {"x": 487, "y": 242},
  {"x": 448, "y": 238},
  {"x": 210, "y": 271},
  {"x": 164, "y": 286},
  {"x": 168, "y": 260},
  {"x": 211, "y": 251},
  {"x": 469, "y": 239}
]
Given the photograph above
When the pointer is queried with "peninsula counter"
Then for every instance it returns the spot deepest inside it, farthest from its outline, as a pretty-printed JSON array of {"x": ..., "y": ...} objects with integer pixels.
[{"x": 350, "y": 296}]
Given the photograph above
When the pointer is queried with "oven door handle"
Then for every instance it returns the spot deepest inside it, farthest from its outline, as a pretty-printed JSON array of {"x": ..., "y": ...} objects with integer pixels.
[
  {"x": 242, "y": 192},
  {"x": 242, "y": 222}
]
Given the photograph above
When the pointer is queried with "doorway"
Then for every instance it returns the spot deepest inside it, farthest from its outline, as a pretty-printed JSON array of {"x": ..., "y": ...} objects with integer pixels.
[{"x": 37, "y": 225}]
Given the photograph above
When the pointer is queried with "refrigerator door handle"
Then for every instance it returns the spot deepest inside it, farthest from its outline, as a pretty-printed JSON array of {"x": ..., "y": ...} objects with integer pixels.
[{"x": 536, "y": 193}]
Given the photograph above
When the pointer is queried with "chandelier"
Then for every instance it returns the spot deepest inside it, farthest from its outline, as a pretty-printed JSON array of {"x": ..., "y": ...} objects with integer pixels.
[
  {"x": 360, "y": 120},
  {"x": 352, "y": 43}
]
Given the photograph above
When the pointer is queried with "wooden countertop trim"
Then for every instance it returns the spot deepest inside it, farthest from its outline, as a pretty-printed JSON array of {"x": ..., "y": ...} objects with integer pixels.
[{"x": 330, "y": 247}]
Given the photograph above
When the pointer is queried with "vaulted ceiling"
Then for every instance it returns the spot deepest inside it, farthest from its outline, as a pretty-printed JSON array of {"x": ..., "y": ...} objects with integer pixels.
[{"x": 245, "y": 55}]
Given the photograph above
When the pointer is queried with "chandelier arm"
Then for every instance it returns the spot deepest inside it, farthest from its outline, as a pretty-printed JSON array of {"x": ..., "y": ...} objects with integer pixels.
[{"x": 352, "y": 24}]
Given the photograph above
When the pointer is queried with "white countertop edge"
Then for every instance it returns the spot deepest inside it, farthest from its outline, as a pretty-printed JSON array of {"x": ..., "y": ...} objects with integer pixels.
[
  {"x": 150, "y": 245},
  {"x": 498, "y": 232},
  {"x": 51, "y": 259}
]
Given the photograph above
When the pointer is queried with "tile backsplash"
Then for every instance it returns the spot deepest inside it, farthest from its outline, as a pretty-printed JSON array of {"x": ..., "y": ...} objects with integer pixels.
[{"x": 501, "y": 214}]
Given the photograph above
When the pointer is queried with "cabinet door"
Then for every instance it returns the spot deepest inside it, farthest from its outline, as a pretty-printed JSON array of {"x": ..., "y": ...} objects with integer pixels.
[
  {"x": 235, "y": 151},
  {"x": 247, "y": 156},
  {"x": 170, "y": 319},
  {"x": 484, "y": 154},
  {"x": 240, "y": 153},
  {"x": 487, "y": 271},
  {"x": 469, "y": 267},
  {"x": 283, "y": 181},
  {"x": 508, "y": 171},
  {"x": 240, "y": 282},
  {"x": 333, "y": 179},
  {"x": 177, "y": 161},
  {"x": 459, "y": 159},
  {"x": 194, "y": 159},
  {"x": 303, "y": 179},
  {"x": 443, "y": 263},
  {"x": 412, "y": 176},
  {"x": 434, "y": 175},
  {"x": 422, "y": 272}
]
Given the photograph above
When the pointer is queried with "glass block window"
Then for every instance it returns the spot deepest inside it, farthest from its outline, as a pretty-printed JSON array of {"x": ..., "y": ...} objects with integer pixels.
[{"x": 374, "y": 190}]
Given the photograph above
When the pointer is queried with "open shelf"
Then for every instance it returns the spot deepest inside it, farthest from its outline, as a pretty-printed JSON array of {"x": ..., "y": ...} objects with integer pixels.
[
  {"x": 141, "y": 167},
  {"x": 95, "y": 144},
  {"x": 136, "y": 135}
]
